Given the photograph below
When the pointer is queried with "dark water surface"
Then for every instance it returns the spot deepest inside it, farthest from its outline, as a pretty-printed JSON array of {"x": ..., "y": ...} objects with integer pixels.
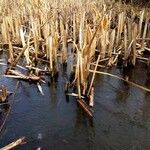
[{"x": 121, "y": 115}]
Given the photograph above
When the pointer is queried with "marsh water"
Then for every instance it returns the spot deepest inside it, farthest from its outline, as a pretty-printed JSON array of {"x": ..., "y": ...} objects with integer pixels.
[{"x": 53, "y": 122}]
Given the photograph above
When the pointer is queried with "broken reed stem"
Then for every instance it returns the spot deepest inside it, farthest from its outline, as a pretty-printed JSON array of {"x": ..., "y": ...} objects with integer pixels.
[
  {"x": 81, "y": 31},
  {"x": 64, "y": 40},
  {"x": 78, "y": 75},
  {"x": 141, "y": 22},
  {"x": 134, "y": 43},
  {"x": 14, "y": 144},
  {"x": 74, "y": 30},
  {"x": 112, "y": 41},
  {"x": 10, "y": 57},
  {"x": 129, "y": 82},
  {"x": 125, "y": 43},
  {"x": 50, "y": 43},
  {"x": 120, "y": 27},
  {"x": 85, "y": 107},
  {"x": 18, "y": 57},
  {"x": 144, "y": 33},
  {"x": 26, "y": 52},
  {"x": 91, "y": 84}
]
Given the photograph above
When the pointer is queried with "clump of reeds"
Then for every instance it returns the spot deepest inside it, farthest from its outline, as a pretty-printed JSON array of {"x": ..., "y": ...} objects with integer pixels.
[{"x": 100, "y": 32}]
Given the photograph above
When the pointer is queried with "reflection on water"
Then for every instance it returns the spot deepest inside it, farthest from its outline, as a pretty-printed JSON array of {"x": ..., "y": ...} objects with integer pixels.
[
  {"x": 146, "y": 107},
  {"x": 84, "y": 127},
  {"x": 53, "y": 121}
]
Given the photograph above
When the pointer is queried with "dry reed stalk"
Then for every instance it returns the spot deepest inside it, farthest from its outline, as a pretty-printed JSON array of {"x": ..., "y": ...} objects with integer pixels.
[
  {"x": 4, "y": 30},
  {"x": 26, "y": 52},
  {"x": 141, "y": 22},
  {"x": 17, "y": 26},
  {"x": 85, "y": 107},
  {"x": 18, "y": 57},
  {"x": 144, "y": 33},
  {"x": 129, "y": 29},
  {"x": 14, "y": 144},
  {"x": 148, "y": 32},
  {"x": 11, "y": 54},
  {"x": 55, "y": 49},
  {"x": 81, "y": 72},
  {"x": 96, "y": 15},
  {"x": 111, "y": 42},
  {"x": 129, "y": 49},
  {"x": 45, "y": 27},
  {"x": 87, "y": 56},
  {"x": 19, "y": 75},
  {"x": 104, "y": 37},
  {"x": 134, "y": 36},
  {"x": 132, "y": 83},
  {"x": 50, "y": 50},
  {"x": 36, "y": 36},
  {"x": 84, "y": 57},
  {"x": 120, "y": 27},
  {"x": 91, "y": 84},
  {"x": 11, "y": 25},
  {"x": 64, "y": 41},
  {"x": 109, "y": 19},
  {"x": 91, "y": 101},
  {"x": 78, "y": 75},
  {"x": 74, "y": 94},
  {"x": 74, "y": 30},
  {"x": 125, "y": 43},
  {"x": 3, "y": 94},
  {"x": 52, "y": 47},
  {"x": 81, "y": 31},
  {"x": 87, "y": 52}
]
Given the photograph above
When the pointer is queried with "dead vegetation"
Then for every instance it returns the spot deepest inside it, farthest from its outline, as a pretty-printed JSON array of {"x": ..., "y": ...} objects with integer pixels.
[
  {"x": 14, "y": 144},
  {"x": 36, "y": 34}
]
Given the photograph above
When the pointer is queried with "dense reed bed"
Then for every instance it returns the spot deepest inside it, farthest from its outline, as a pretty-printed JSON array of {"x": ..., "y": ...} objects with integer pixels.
[{"x": 102, "y": 34}]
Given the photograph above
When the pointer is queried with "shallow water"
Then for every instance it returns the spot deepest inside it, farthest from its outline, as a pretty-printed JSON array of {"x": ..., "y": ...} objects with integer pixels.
[{"x": 121, "y": 115}]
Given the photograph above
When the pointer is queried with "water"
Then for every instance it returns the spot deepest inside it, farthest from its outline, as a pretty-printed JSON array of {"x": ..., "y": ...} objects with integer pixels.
[{"x": 121, "y": 115}]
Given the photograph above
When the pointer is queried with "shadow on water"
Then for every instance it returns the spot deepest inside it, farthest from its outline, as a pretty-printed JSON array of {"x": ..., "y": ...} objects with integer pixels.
[{"x": 53, "y": 121}]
